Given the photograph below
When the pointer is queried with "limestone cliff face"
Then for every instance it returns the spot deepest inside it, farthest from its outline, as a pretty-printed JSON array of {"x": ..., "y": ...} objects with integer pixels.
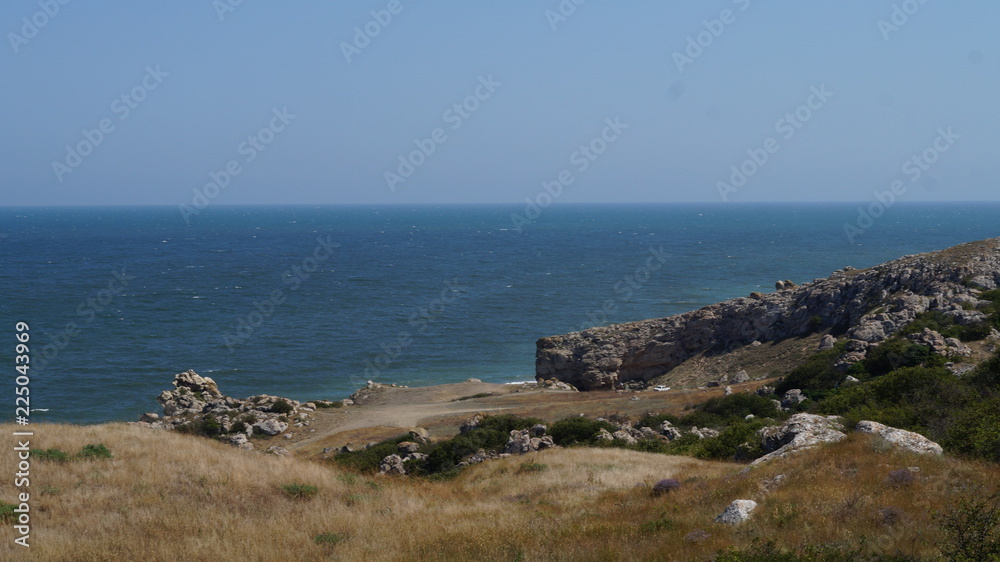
[{"x": 866, "y": 306}]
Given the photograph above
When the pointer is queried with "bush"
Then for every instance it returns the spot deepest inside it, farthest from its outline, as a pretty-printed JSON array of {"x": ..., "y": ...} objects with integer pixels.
[
  {"x": 207, "y": 426},
  {"x": 738, "y": 406},
  {"x": 578, "y": 431},
  {"x": 532, "y": 467},
  {"x": 971, "y": 526},
  {"x": 666, "y": 486},
  {"x": 238, "y": 427},
  {"x": 282, "y": 406},
  {"x": 900, "y": 478},
  {"x": 895, "y": 354},
  {"x": 7, "y": 512},
  {"x": 98, "y": 451},
  {"x": 300, "y": 491},
  {"x": 814, "y": 376},
  {"x": 330, "y": 538},
  {"x": 975, "y": 430},
  {"x": 736, "y": 442},
  {"x": 52, "y": 455},
  {"x": 368, "y": 459}
]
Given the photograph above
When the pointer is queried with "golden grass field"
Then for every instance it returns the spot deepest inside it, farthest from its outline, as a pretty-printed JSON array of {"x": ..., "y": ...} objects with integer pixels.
[{"x": 167, "y": 496}]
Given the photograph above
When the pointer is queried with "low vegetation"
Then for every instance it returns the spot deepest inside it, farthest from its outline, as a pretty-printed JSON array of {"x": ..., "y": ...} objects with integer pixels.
[{"x": 587, "y": 504}]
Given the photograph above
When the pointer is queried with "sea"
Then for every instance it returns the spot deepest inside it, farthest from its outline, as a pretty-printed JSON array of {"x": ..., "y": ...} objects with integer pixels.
[{"x": 310, "y": 302}]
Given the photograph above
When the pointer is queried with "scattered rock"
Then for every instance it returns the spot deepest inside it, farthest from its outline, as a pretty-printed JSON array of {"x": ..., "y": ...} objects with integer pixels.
[
  {"x": 270, "y": 426},
  {"x": 420, "y": 435},
  {"x": 904, "y": 439},
  {"x": 669, "y": 431},
  {"x": 703, "y": 433},
  {"x": 407, "y": 447},
  {"x": 605, "y": 435},
  {"x": 471, "y": 423},
  {"x": 393, "y": 464},
  {"x": 740, "y": 377},
  {"x": 521, "y": 442},
  {"x": 737, "y": 512},
  {"x": 792, "y": 398},
  {"x": 622, "y": 435},
  {"x": 279, "y": 451}
]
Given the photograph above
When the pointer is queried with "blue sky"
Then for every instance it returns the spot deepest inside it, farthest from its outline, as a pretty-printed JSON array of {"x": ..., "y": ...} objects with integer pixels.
[{"x": 303, "y": 110}]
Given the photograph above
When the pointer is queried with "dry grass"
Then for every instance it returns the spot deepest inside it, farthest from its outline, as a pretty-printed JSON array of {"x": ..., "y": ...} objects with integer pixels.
[{"x": 166, "y": 496}]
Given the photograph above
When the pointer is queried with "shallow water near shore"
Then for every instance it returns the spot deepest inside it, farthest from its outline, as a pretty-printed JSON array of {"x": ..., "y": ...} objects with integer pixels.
[{"x": 309, "y": 302}]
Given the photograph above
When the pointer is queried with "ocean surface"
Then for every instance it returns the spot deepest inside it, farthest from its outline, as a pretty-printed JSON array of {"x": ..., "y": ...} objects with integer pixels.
[{"x": 310, "y": 302}]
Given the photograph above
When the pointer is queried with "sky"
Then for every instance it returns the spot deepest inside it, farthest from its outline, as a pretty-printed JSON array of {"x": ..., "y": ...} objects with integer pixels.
[{"x": 409, "y": 102}]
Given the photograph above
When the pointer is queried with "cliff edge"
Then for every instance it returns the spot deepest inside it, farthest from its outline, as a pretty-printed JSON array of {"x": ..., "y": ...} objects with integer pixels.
[{"x": 866, "y": 306}]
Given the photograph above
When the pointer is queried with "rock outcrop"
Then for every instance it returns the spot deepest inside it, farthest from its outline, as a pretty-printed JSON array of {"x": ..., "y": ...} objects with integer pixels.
[
  {"x": 737, "y": 512},
  {"x": 901, "y": 438},
  {"x": 866, "y": 306},
  {"x": 196, "y": 403},
  {"x": 800, "y": 431}
]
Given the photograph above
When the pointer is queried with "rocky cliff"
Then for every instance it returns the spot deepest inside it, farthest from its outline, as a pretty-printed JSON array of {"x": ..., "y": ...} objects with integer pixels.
[{"x": 866, "y": 306}]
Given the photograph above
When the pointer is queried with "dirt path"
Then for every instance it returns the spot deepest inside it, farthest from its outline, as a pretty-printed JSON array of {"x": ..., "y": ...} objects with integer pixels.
[{"x": 441, "y": 409}]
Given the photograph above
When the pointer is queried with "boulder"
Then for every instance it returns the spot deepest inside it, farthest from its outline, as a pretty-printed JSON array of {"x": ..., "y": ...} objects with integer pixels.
[
  {"x": 792, "y": 398},
  {"x": 270, "y": 426},
  {"x": 240, "y": 440},
  {"x": 472, "y": 379},
  {"x": 605, "y": 435},
  {"x": 727, "y": 391},
  {"x": 907, "y": 440},
  {"x": 419, "y": 435},
  {"x": 800, "y": 431},
  {"x": 623, "y": 435},
  {"x": 407, "y": 447},
  {"x": 827, "y": 342},
  {"x": 703, "y": 433},
  {"x": 521, "y": 442},
  {"x": 279, "y": 451},
  {"x": 739, "y": 377},
  {"x": 393, "y": 464},
  {"x": 471, "y": 423},
  {"x": 737, "y": 512},
  {"x": 669, "y": 431}
]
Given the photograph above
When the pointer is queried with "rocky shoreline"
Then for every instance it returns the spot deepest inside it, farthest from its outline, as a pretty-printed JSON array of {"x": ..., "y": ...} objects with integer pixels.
[{"x": 865, "y": 307}]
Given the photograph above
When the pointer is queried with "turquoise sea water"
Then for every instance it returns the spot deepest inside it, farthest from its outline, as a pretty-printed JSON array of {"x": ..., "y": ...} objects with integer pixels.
[{"x": 309, "y": 302}]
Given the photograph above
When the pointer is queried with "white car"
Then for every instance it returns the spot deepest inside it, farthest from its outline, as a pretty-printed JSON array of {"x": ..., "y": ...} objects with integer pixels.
[{"x": 661, "y": 388}]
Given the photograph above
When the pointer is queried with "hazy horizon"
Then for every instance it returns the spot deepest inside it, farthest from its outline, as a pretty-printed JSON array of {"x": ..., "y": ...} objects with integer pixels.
[{"x": 397, "y": 102}]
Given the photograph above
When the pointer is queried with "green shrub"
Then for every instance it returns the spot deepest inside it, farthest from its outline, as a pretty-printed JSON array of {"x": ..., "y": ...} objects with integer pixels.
[
  {"x": 573, "y": 431},
  {"x": 975, "y": 430},
  {"x": 971, "y": 526},
  {"x": 238, "y": 427},
  {"x": 739, "y": 405},
  {"x": 300, "y": 491},
  {"x": 92, "y": 451},
  {"x": 895, "y": 353},
  {"x": 330, "y": 538},
  {"x": 206, "y": 426},
  {"x": 51, "y": 455},
  {"x": 507, "y": 423},
  {"x": 321, "y": 404},
  {"x": 7, "y": 512},
  {"x": 282, "y": 406},
  {"x": 532, "y": 467},
  {"x": 815, "y": 376},
  {"x": 736, "y": 442},
  {"x": 661, "y": 523},
  {"x": 368, "y": 459}
]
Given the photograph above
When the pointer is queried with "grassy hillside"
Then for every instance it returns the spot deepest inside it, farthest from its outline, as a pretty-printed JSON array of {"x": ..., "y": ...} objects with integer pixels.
[{"x": 166, "y": 496}]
